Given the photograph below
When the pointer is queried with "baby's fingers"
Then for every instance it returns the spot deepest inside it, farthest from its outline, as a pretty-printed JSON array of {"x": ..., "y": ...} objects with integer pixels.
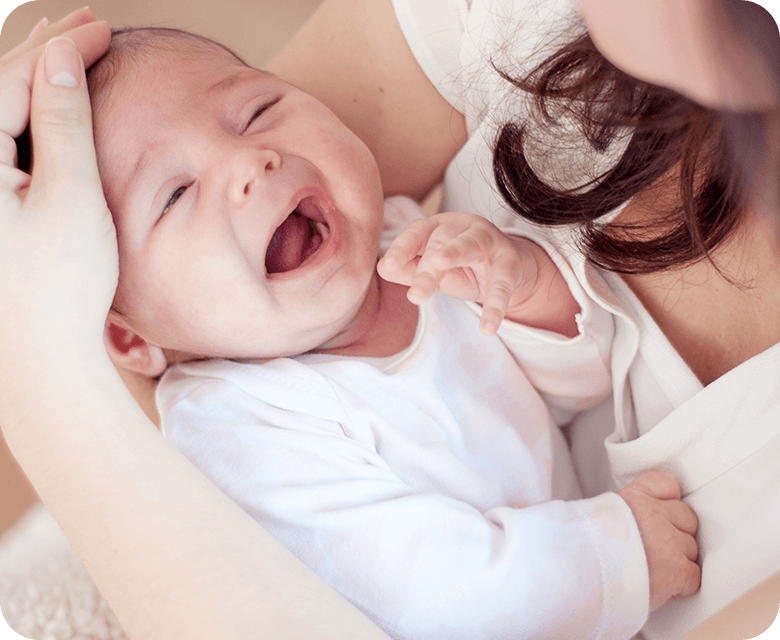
[
  {"x": 502, "y": 283},
  {"x": 410, "y": 243},
  {"x": 396, "y": 270},
  {"x": 682, "y": 516},
  {"x": 424, "y": 285},
  {"x": 462, "y": 250},
  {"x": 692, "y": 581}
]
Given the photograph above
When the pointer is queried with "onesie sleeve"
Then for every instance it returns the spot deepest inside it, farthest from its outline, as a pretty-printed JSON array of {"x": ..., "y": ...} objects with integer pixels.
[
  {"x": 571, "y": 374},
  {"x": 423, "y": 566}
]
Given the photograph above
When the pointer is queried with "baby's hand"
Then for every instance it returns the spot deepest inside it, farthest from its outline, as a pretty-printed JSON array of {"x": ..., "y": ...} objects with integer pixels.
[
  {"x": 465, "y": 257},
  {"x": 667, "y": 526}
]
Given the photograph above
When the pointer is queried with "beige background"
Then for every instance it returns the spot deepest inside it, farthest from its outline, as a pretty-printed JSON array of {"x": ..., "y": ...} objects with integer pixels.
[{"x": 255, "y": 29}]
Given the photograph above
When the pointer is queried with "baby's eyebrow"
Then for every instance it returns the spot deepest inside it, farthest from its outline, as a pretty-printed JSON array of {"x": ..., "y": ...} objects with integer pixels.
[
  {"x": 142, "y": 165},
  {"x": 143, "y": 161},
  {"x": 244, "y": 74},
  {"x": 226, "y": 83}
]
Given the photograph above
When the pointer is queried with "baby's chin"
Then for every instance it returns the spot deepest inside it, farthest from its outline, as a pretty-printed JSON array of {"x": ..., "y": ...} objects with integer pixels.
[{"x": 356, "y": 326}]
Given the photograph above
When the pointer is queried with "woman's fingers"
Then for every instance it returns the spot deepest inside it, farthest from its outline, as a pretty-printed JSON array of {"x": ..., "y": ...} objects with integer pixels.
[
  {"x": 44, "y": 31},
  {"x": 16, "y": 76},
  {"x": 7, "y": 151},
  {"x": 61, "y": 124},
  {"x": 42, "y": 24},
  {"x": 12, "y": 180}
]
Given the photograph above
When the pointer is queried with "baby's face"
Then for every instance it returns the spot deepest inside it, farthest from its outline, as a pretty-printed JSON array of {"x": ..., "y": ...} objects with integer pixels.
[{"x": 248, "y": 215}]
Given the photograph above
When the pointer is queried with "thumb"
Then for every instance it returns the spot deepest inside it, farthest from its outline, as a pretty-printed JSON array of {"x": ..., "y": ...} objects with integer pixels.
[{"x": 61, "y": 126}]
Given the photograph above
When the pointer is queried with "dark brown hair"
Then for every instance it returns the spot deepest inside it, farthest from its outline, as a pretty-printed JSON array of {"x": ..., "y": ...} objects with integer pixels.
[{"x": 673, "y": 139}]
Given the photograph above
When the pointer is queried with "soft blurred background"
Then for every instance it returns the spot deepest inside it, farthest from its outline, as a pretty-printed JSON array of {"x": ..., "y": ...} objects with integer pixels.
[{"x": 255, "y": 29}]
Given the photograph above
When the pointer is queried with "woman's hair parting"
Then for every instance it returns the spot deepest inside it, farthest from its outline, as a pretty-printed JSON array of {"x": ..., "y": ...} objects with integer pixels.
[{"x": 705, "y": 152}]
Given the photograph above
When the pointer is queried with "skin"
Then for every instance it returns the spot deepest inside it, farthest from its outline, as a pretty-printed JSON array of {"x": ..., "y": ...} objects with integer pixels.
[
  {"x": 232, "y": 153},
  {"x": 210, "y": 195},
  {"x": 699, "y": 293},
  {"x": 92, "y": 455},
  {"x": 56, "y": 316},
  {"x": 715, "y": 52},
  {"x": 372, "y": 93},
  {"x": 197, "y": 199},
  {"x": 382, "y": 94}
]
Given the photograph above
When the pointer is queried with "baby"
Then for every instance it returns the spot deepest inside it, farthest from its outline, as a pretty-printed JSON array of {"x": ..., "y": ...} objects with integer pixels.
[{"x": 391, "y": 439}]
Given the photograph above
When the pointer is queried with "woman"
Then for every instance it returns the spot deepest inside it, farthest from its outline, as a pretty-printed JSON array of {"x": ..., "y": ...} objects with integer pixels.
[
  {"x": 390, "y": 92},
  {"x": 689, "y": 258}
]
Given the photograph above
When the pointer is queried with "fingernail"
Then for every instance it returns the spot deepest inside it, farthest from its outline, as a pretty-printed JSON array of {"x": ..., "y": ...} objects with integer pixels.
[
  {"x": 489, "y": 328},
  {"x": 39, "y": 27},
  {"x": 62, "y": 62}
]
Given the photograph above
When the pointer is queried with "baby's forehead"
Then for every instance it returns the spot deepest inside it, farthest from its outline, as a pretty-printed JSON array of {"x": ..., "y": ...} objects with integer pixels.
[
  {"x": 156, "y": 55},
  {"x": 172, "y": 70}
]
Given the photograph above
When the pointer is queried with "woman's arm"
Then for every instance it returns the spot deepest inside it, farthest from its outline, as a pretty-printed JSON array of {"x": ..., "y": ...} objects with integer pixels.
[
  {"x": 352, "y": 56},
  {"x": 173, "y": 556}
]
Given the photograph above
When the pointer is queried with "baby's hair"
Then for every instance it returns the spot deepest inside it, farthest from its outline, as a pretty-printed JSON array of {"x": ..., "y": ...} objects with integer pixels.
[{"x": 131, "y": 46}]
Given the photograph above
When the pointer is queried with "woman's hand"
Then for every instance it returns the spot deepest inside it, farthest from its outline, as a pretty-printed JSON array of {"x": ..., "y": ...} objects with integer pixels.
[
  {"x": 17, "y": 67},
  {"x": 58, "y": 260}
]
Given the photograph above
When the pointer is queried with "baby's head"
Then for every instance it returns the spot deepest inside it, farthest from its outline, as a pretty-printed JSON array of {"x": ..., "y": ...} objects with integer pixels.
[{"x": 248, "y": 216}]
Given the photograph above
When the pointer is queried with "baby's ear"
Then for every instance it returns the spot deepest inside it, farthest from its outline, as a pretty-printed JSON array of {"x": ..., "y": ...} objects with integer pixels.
[{"x": 130, "y": 351}]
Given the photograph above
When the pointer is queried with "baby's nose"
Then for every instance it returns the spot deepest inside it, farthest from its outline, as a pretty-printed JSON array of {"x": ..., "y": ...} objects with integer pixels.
[{"x": 249, "y": 172}]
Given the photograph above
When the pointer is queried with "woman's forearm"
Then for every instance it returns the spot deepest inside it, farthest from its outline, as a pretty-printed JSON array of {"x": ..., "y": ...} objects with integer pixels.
[{"x": 172, "y": 555}]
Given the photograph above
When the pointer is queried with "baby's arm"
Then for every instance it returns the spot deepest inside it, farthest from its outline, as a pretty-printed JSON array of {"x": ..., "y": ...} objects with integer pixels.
[{"x": 467, "y": 257}]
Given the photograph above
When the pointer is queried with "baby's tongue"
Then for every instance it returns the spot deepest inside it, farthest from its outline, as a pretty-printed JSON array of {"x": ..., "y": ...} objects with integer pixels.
[{"x": 287, "y": 244}]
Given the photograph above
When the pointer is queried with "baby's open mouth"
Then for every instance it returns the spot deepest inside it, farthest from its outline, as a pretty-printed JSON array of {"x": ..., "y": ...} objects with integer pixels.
[{"x": 297, "y": 239}]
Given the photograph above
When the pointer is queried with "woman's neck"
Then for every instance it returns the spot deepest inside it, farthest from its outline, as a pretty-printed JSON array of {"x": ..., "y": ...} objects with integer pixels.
[{"x": 720, "y": 313}]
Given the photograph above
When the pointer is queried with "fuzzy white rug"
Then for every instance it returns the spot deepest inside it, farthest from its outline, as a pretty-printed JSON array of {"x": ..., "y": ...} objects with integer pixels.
[{"x": 45, "y": 591}]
